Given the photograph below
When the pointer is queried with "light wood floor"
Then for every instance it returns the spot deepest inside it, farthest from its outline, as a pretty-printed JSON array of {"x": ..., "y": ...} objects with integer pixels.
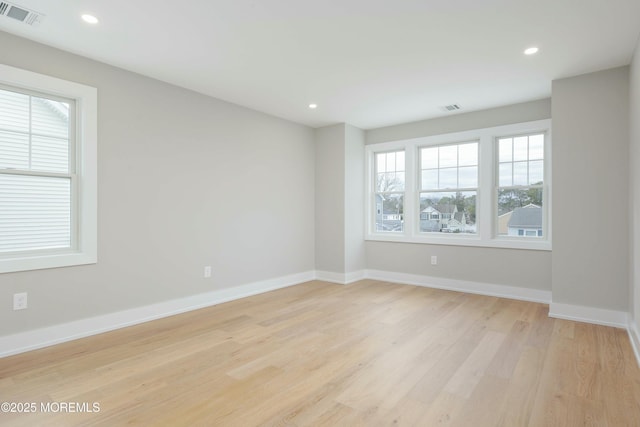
[{"x": 318, "y": 354}]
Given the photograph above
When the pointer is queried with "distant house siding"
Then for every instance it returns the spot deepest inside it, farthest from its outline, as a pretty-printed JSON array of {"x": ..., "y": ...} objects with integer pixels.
[
  {"x": 503, "y": 223},
  {"x": 525, "y": 221}
]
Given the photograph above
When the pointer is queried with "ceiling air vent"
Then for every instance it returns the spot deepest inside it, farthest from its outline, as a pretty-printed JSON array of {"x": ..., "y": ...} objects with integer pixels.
[
  {"x": 451, "y": 107},
  {"x": 20, "y": 13}
]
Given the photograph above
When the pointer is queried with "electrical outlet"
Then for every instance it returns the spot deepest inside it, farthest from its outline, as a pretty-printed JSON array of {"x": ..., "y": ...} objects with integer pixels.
[
  {"x": 20, "y": 301},
  {"x": 207, "y": 272},
  {"x": 434, "y": 260}
]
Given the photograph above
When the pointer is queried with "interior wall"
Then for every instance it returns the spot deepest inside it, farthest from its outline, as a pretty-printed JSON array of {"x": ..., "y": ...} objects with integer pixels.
[
  {"x": 634, "y": 297},
  {"x": 330, "y": 198},
  {"x": 590, "y": 180},
  {"x": 354, "y": 200},
  {"x": 516, "y": 113},
  {"x": 184, "y": 181},
  {"x": 339, "y": 200},
  {"x": 511, "y": 267}
]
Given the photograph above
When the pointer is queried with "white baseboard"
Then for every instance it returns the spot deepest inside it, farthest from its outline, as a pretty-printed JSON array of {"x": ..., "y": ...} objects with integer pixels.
[
  {"x": 44, "y": 337},
  {"x": 503, "y": 291},
  {"x": 597, "y": 316},
  {"x": 634, "y": 337},
  {"x": 340, "y": 278}
]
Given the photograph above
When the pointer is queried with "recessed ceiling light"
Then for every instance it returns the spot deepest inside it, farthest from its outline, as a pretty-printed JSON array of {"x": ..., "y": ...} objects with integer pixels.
[
  {"x": 531, "y": 51},
  {"x": 313, "y": 106},
  {"x": 89, "y": 19}
]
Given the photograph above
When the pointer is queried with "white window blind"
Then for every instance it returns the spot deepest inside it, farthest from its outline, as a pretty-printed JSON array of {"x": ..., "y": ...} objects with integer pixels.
[{"x": 36, "y": 172}]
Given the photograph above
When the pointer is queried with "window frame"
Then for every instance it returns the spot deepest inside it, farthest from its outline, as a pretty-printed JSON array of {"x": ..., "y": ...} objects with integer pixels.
[
  {"x": 420, "y": 190},
  {"x": 546, "y": 217},
  {"x": 83, "y": 165},
  {"x": 486, "y": 197},
  {"x": 401, "y": 193}
]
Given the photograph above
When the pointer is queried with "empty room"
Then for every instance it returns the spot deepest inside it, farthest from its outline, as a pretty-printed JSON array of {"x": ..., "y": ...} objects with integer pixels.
[{"x": 337, "y": 213}]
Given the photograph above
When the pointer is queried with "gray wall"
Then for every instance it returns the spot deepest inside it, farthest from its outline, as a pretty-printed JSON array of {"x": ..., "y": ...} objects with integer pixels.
[
  {"x": 634, "y": 299},
  {"x": 516, "y": 113},
  {"x": 185, "y": 181},
  {"x": 340, "y": 199},
  {"x": 329, "y": 198},
  {"x": 512, "y": 267},
  {"x": 590, "y": 190},
  {"x": 354, "y": 200}
]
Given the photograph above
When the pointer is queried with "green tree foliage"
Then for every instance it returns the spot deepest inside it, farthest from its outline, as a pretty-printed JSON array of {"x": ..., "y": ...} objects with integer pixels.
[
  {"x": 463, "y": 203},
  {"x": 509, "y": 199}
]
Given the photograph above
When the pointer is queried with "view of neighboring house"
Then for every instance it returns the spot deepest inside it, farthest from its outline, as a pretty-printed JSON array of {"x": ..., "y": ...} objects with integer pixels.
[
  {"x": 503, "y": 223},
  {"x": 444, "y": 217},
  {"x": 388, "y": 215},
  {"x": 524, "y": 221}
]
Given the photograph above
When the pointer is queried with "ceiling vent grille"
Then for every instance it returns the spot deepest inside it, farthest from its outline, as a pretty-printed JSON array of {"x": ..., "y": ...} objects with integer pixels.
[
  {"x": 452, "y": 107},
  {"x": 20, "y": 13}
]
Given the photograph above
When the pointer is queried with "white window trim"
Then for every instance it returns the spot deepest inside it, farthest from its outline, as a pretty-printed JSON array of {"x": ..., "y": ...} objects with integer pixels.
[
  {"x": 86, "y": 202},
  {"x": 486, "y": 197}
]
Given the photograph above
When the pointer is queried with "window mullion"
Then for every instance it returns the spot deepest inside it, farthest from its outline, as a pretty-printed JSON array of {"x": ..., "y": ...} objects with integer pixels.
[
  {"x": 410, "y": 167},
  {"x": 486, "y": 193},
  {"x": 30, "y": 131}
]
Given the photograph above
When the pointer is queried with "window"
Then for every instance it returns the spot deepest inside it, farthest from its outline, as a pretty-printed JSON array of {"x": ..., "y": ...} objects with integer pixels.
[
  {"x": 484, "y": 187},
  {"x": 47, "y": 172},
  {"x": 36, "y": 175},
  {"x": 389, "y": 195},
  {"x": 448, "y": 188},
  {"x": 520, "y": 185}
]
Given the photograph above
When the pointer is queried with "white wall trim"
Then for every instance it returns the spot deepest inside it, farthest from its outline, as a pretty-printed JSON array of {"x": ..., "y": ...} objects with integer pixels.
[
  {"x": 354, "y": 276},
  {"x": 44, "y": 337},
  {"x": 634, "y": 337},
  {"x": 503, "y": 291},
  {"x": 340, "y": 278},
  {"x": 85, "y": 215},
  {"x": 331, "y": 277},
  {"x": 597, "y": 316}
]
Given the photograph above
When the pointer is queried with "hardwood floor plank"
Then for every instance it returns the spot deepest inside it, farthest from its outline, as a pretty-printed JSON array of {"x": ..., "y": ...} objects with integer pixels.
[
  {"x": 510, "y": 352},
  {"x": 444, "y": 410},
  {"x": 484, "y": 403},
  {"x": 522, "y": 388},
  {"x": 470, "y": 372}
]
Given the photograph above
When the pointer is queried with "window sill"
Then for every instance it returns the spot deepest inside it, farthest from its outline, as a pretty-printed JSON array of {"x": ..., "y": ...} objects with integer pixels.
[
  {"x": 43, "y": 261},
  {"x": 474, "y": 241}
]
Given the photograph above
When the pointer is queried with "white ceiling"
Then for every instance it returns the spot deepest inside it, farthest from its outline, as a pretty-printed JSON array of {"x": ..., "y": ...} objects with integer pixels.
[{"x": 369, "y": 63}]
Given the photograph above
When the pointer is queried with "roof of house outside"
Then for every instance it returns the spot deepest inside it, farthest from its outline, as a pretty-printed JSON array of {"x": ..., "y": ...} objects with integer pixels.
[
  {"x": 446, "y": 207},
  {"x": 529, "y": 216}
]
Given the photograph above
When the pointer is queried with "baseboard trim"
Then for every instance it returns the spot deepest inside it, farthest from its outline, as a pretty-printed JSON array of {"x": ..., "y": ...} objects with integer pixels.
[
  {"x": 489, "y": 289},
  {"x": 634, "y": 337},
  {"x": 597, "y": 316},
  {"x": 340, "y": 278},
  {"x": 44, "y": 337}
]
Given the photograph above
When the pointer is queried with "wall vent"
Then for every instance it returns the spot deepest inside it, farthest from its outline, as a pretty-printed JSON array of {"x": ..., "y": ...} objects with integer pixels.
[
  {"x": 20, "y": 13},
  {"x": 452, "y": 107}
]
